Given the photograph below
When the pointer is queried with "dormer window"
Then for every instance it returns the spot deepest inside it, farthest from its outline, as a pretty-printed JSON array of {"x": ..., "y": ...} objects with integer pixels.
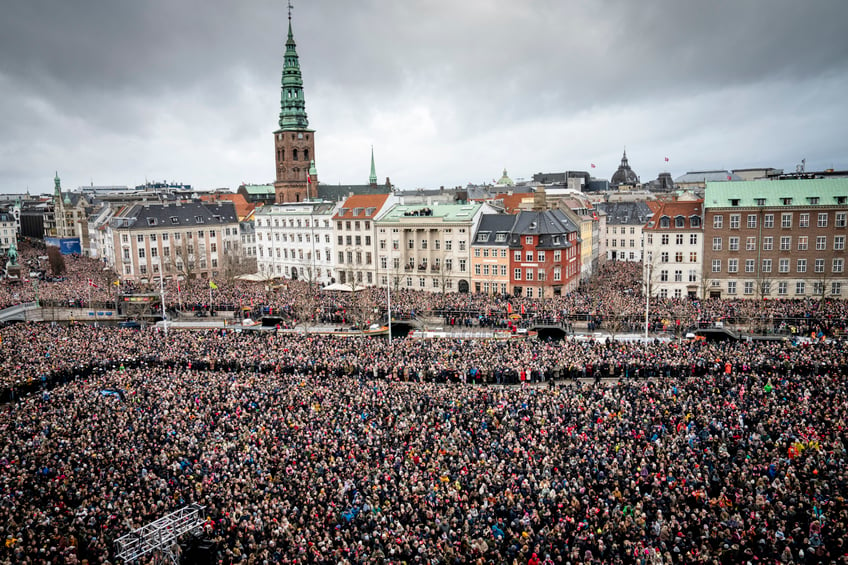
[
  {"x": 841, "y": 199},
  {"x": 760, "y": 201},
  {"x": 483, "y": 237},
  {"x": 151, "y": 221},
  {"x": 813, "y": 199},
  {"x": 198, "y": 219},
  {"x": 695, "y": 221},
  {"x": 665, "y": 222},
  {"x": 500, "y": 237},
  {"x": 734, "y": 202},
  {"x": 175, "y": 220},
  {"x": 679, "y": 222},
  {"x": 786, "y": 201}
]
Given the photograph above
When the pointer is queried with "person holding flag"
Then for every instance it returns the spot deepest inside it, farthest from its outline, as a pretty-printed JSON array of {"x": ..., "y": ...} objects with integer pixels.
[{"x": 212, "y": 286}]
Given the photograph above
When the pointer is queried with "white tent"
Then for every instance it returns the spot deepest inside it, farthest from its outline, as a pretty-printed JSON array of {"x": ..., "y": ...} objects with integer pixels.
[
  {"x": 343, "y": 287},
  {"x": 254, "y": 277}
]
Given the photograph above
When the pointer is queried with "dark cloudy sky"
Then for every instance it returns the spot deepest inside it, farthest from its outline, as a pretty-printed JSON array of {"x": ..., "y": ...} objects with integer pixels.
[{"x": 448, "y": 92}]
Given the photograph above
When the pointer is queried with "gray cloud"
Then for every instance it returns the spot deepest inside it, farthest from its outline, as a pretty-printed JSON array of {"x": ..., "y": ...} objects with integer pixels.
[{"x": 113, "y": 92}]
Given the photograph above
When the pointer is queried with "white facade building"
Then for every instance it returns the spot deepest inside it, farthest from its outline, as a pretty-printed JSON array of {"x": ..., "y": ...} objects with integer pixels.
[{"x": 296, "y": 241}]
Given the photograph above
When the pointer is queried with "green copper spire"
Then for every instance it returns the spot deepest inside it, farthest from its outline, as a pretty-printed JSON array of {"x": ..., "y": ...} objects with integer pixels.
[
  {"x": 373, "y": 178},
  {"x": 57, "y": 185},
  {"x": 292, "y": 102}
]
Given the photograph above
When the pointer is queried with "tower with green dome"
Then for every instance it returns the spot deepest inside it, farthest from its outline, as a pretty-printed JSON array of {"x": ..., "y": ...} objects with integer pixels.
[{"x": 294, "y": 141}]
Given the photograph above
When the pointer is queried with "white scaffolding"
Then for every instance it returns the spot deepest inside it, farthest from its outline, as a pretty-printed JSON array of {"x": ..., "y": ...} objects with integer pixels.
[{"x": 160, "y": 537}]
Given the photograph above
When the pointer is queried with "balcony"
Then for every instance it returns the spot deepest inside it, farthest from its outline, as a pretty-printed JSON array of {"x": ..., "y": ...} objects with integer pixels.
[{"x": 434, "y": 268}]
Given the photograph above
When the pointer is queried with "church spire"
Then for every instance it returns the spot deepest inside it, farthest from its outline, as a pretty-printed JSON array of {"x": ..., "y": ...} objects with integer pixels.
[
  {"x": 372, "y": 180},
  {"x": 292, "y": 101},
  {"x": 57, "y": 185}
]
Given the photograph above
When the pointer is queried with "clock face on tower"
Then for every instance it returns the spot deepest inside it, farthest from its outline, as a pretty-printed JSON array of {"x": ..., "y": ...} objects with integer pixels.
[{"x": 300, "y": 136}]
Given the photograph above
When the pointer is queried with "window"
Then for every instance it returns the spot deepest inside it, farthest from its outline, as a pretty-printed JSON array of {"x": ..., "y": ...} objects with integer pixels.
[
  {"x": 516, "y": 274},
  {"x": 693, "y": 275},
  {"x": 462, "y": 265},
  {"x": 410, "y": 244},
  {"x": 664, "y": 276},
  {"x": 818, "y": 265},
  {"x": 423, "y": 244},
  {"x": 786, "y": 201},
  {"x": 540, "y": 256},
  {"x": 804, "y": 220},
  {"x": 839, "y": 243},
  {"x": 678, "y": 276},
  {"x": 678, "y": 239},
  {"x": 516, "y": 256},
  {"x": 783, "y": 266},
  {"x": 768, "y": 221},
  {"x": 503, "y": 270},
  {"x": 664, "y": 239},
  {"x": 557, "y": 256},
  {"x": 678, "y": 257},
  {"x": 765, "y": 288},
  {"x": 752, "y": 221},
  {"x": 476, "y": 251},
  {"x": 693, "y": 256},
  {"x": 750, "y": 244},
  {"x": 529, "y": 274},
  {"x": 528, "y": 256},
  {"x": 139, "y": 238},
  {"x": 718, "y": 222},
  {"x": 750, "y": 265},
  {"x": 614, "y": 243},
  {"x": 716, "y": 265},
  {"x": 716, "y": 244},
  {"x": 822, "y": 220},
  {"x": 733, "y": 265},
  {"x": 785, "y": 242},
  {"x": 782, "y": 288},
  {"x": 141, "y": 253},
  {"x": 528, "y": 240},
  {"x": 749, "y": 287},
  {"x": 836, "y": 288},
  {"x": 557, "y": 274},
  {"x": 840, "y": 219},
  {"x": 695, "y": 221},
  {"x": 448, "y": 245},
  {"x": 768, "y": 243},
  {"x": 802, "y": 242},
  {"x": 731, "y": 287},
  {"x": 801, "y": 266},
  {"x": 477, "y": 268},
  {"x": 734, "y": 221},
  {"x": 693, "y": 239},
  {"x": 818, "y": 288},
  {"x": 733, "y": 244},
  {"x": 821, "y": 242},
  {"x": 663, "y": 293},
  {"x": 786, "y": 220},
  {"x": 664, "y": 257},
  {"x": 838, "y": 265},
  {"x": 632, "y": 243},
  {"x": 800, "y": 287}
]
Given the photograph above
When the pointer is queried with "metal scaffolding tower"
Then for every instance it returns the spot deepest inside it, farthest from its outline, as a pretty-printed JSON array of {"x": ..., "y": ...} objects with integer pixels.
[{"x": 160, "y": 537}]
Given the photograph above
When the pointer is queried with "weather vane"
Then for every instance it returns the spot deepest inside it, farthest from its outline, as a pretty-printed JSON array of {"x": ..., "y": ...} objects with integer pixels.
[{"x": 290, "y": 9}]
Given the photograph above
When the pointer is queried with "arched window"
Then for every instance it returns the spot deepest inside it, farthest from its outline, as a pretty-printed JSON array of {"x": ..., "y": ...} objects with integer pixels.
[
  {"x": 306, "y": 154},
  {"x": 294, "y": 154}
]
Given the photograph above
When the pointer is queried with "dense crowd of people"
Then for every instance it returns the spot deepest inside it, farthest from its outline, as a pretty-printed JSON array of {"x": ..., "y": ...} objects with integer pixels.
[
  {"x": 613, "y": 299},
  {"x": 302, "y": 457},
  {"x": 310, "y": 448}
]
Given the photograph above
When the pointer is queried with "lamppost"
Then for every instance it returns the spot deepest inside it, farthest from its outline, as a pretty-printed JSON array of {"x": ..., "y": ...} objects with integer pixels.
[{"x": 647, "y": 294}]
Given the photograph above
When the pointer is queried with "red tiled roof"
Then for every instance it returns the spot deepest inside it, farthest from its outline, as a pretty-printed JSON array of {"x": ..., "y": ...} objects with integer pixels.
[
  {"x": 363, "y": 202},
  {"x": 243, "y": 207},
  {"x": 687, "y": 209}
]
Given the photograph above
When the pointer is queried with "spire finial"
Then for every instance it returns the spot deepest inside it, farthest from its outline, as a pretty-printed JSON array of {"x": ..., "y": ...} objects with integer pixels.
[
  {"x": 290, "y": 9},
  {"x": 372, "y": 180}
]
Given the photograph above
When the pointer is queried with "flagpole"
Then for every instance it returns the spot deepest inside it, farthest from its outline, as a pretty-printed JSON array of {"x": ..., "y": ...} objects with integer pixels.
[{"x": 162, "y": 298}]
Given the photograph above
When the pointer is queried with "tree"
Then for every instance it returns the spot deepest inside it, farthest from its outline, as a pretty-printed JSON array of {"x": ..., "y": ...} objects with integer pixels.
[
  {"x": 182, "y": 260},
  {"x": 56, "y": 261}
]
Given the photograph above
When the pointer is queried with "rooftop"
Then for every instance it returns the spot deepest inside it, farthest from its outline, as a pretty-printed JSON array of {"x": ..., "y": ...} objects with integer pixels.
[{"x": 757, "y": 193}]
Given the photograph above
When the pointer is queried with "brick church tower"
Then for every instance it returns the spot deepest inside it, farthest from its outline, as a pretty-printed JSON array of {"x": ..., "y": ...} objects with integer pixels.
[{"x": 294, "y": 142}]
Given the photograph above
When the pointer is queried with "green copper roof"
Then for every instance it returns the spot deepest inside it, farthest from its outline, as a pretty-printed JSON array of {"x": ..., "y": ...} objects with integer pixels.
[
  {"x": 313, "y": 172},
  {"x": 427, "y": 213},
  {"x": 57, "y": 185},
  {"x": 773, "y": 192},
  {"x": 292, "y": 101},
  {"x": 372, "y": 179},
  {"x": 259, "y": 188}
]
